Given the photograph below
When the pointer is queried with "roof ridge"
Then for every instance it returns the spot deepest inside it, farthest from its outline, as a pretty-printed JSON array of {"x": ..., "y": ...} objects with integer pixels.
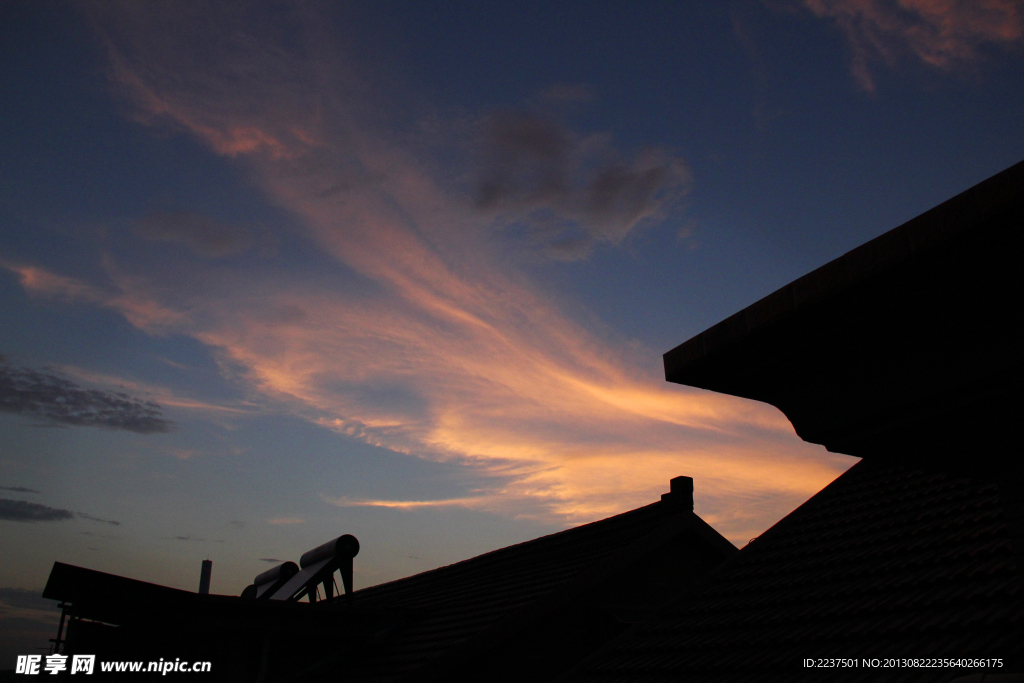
[{"x": 494, "y": 555}]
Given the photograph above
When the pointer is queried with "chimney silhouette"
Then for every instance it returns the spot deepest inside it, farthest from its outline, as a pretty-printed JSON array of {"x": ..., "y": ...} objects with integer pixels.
[
  {"x": 680, "y": 493},
  {"x": 204, "y": 577}
]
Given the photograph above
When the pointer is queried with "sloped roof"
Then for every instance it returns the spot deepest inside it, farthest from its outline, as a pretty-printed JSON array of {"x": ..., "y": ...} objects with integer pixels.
[
  {"x": 884, "y": 562},
  {"x": 526, "y": 612},
  {"x": 903, "y": 349},
  {"x": 485, "y": 609}
]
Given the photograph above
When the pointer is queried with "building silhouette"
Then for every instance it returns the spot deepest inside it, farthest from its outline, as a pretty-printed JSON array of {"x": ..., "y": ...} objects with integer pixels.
[
  {"x": 526, "y": 612},
  {"x": 905, "y": 352}
]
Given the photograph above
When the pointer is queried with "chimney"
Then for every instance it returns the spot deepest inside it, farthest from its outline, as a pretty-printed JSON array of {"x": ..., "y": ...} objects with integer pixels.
[
  {"x": 680, "y": 493},
  {"x": 204, "y": 577}
]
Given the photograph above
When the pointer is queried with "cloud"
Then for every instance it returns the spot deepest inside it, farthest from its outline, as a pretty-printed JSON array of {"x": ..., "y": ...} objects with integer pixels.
[
  {"x": 271, "y": 559},
  {"x": 195, "y": 539},
  {"x": 412, "y": 330},
  {"x": 46, "y": 396},
  {"x": 18, "y": 489},
  {"x": 571, "y": 192},
  {"x": 97, "y": 519},
  {"x": 237, "y": 523},
  {"x": 23, "y": 511},
  {"x": 268, "y": 93},
  {"x": 286, "y": 520},
  {"x": 143, "y": 313},
  {"x": 163, "y": 395},
  {"x": 944, "y": 34},
  {"x": 203, "y": 235},
  {"x": 471, "y": 502}
]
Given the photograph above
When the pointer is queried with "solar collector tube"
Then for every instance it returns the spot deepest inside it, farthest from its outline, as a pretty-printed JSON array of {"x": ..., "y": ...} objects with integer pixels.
[{"x": 343, "y": 546}]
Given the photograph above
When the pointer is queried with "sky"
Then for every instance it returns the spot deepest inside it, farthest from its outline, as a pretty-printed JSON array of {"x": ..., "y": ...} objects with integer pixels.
[{"x": 273, "y": 273}]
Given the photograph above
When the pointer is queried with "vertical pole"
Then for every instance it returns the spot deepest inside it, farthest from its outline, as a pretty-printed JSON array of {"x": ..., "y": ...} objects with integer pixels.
[
  {"x": 346, "y": 574},
  {"x": 60, "y": 628}
]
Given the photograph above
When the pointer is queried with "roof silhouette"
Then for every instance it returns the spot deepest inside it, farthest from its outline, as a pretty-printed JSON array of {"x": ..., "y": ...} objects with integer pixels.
[
  {"x": 904, "y": 352},
  {"x": 530, "y": 611},
  {"x": 885, "y": 562}
]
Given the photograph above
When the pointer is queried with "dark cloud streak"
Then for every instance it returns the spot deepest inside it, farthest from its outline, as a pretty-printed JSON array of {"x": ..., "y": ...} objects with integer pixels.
[
  {"x": 18, "y": 489},
  {"x": 194, "y": 538},
  {"x": 24, "y": 511},
  {"x": 57, "y": 400},
  {"x": 111, "y": 522},
  {"x": 570, "y": 192}
]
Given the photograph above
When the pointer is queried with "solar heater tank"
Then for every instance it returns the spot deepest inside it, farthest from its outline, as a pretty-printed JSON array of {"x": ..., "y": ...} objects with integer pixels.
[{"x": 344, "y": 546}]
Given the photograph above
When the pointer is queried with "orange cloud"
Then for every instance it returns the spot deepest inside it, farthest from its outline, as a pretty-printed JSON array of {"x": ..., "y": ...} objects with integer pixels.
[
  {"x": 343, "y": 502},
  {"x": 285, "y": 520},
  {"x": 449, "y": 352},
  {"x": 941, "y": 33},
  {"x": 571, "y": 430}
]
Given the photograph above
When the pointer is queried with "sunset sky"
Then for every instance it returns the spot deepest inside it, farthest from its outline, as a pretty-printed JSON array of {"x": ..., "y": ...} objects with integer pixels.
[{"x": 273, "y": 273}]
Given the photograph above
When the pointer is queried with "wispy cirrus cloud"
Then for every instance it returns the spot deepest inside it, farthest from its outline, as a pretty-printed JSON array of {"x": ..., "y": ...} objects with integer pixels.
[
  {"x": 142, "y": 312},
  {"x": 56, "y": 400},
  {"x": 943, "y": 34},
  {"x": 471, "y": 502},
  {"x": 161, "y": 394},
  {"x": 445, "y": 350}
]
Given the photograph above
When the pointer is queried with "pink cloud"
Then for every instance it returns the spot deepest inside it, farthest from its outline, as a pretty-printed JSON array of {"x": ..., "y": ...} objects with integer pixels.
[
  {"x": 240, "y": 93},
  {"x": 944, "y": 34},
  {"x": 42, "y": 282},
  {"x": 145, "y": 313}
]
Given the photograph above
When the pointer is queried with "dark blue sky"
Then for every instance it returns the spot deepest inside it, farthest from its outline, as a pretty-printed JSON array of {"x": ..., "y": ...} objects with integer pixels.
[{"x": 406, "y": 270}]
